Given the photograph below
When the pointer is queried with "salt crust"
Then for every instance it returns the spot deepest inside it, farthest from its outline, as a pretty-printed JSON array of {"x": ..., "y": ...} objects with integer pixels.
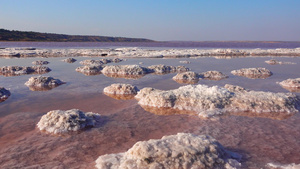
[
  {"x": 134, "y": 52},
  {"x": 4, "y": 94},
  {"x": 253, "y": 72},
  {"x": 211, "y": 101},
  {"x": 161, "y": 69},
  {"x": 43, "y": 81},
  {"x": 19, "y": 70},
  {"x": 69, "y": 60},
  {"x": 121, "y": 89},
  {"x": 278, "y": 166},
  {"x": 276, "y": 62},
  {"x": 291, "y": 83},
  {"x": 90, "y": 69},
  {"x": 184, "y": 150},
  {"x": 60, "y": 122},
  {"x": 40, "y": 62},
  {"x": 192, "y": 77},
  {"x": 125, "y": 70},
  {"x": 100, "y": 62}
]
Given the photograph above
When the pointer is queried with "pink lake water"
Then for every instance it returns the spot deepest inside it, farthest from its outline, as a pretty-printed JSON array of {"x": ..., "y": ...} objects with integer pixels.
[{"x": 124, "y": 122}]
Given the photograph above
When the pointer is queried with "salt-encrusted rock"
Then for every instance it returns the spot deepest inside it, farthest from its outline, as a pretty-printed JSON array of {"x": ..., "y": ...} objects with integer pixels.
[
  {"x": 280, "y": 166},
  {"x": 40, "y": 62},
  {"x": 19, "y": 70},
  {"x": 69, "y": 60},
  {"x": 125, "y": 70},
  {"x": 4, "y": 94},
  {"x": 162, "y": 69},
  {"x": 253, "y": 73},
  {"x": 184, "y": 62},
  {"x": 210, "y": 101},
  {"x": 59, "y": 121},
  {"x": 121, "y": 89},
  {"x": 90, "y": 70},
  {"x": 213, "y": 75},
  {"x": 91, "y": 62},
  {"x": 183, "y": 150},
  {"x": 41, "y": 83},
  {"x": 186, "y": 77},
  {"x": 276, "y": 62},
  {"x": 292, "y": 85}
]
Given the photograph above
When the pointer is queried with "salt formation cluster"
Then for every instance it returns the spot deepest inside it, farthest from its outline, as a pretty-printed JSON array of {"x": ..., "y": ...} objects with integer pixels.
[
  {"x": 125, "y": 70},
  {"x": 291, "y": 83},
  {"x": 90, "y": 69},
  {"x": 19, "y": 70},
  {"x": 60, "y": 122},
  {"x": 40, "y": 62},
  {"x": 100, "y": 62},
  {"x": 121, "y": 89},
  {"x": 69, "y": 60},
  {"x": 253, "y": 73},
  {"x": 41, "y": 82},
  {"x": 4, "y": 94},
  {"x": 276, "y": 62},
  {"x": 192, "y": 77},
  {"x": 183, "y": 150},
  {"x": 162, "y": 69},
  {"x": 210, "y": 101}
]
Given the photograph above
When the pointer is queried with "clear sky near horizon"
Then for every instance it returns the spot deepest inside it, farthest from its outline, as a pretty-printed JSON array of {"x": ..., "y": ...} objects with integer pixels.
[{"x": 190, "y": 20}]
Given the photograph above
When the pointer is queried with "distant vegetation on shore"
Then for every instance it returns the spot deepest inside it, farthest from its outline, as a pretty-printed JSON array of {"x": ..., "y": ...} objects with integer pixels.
[{"x": 7, "y": 35}]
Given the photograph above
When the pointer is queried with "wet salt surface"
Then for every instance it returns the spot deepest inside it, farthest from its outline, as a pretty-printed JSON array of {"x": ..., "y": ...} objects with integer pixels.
[{"x": 259, "y": 140}]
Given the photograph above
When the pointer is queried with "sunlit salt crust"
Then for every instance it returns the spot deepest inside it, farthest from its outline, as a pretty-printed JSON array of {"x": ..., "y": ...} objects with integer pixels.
[
  {"x": 252, "y": 72},
  {"x": 121, "y": 89},
  {"x": 162, "y": 69},
  {"x": 125, "y": 70},
  {"x": 183, "y": 150},
  {"x": 40, "y": 62},
  {"x": 133, "y": 52},
  {"x": 4, "y": 94},
  {"x": 60, "y": 122},
  {"x": 90, "y": 69},
  {"x": 100, "y": 62},
  {"x": 279, "y": 166},
  {"x": 43, "y": 82},
  {"x": 19, "y": 70},
  {"x": 291, "y": 83},
  {"x": 276, "y": 62},
  {"x": 193, "y": 77},
  {"x": 211, "y": 101},
  {"x": 69, "y": 60},
  {"x": 212, "y": 75}
]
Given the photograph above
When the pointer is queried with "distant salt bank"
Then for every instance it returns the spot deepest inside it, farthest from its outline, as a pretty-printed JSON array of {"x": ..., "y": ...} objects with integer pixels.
[{"x": 133, "y": 52}]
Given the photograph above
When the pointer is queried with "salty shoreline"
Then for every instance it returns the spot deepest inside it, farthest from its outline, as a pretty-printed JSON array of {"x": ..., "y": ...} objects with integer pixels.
[{"x": 134, "y": 52}]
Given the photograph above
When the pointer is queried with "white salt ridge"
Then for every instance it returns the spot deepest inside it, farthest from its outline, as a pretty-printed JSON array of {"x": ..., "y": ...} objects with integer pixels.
[
  {"x": 4, "y": 94},
  {"x": 211, "y": 101},
  {"x": 125, "y": 70},
  {"x": 59, "y": 122},
  {"x": 43, "y": 81},
  {"x": 138, "y": 52},
  {"x": 278, "y": 166},
  {"x": 19, "y": 70},
  {"x": 291, "y": 83},
  {"x": 121, "y": 89},
  {"x": 90, "y": 69},
  {"x": 160, "y": 69},
  {"x": 192, "y": 77},
  {"x": 252, "y": 72},
  {"x": 183, "y": 150},
  {"x": 276, "y": 62}
]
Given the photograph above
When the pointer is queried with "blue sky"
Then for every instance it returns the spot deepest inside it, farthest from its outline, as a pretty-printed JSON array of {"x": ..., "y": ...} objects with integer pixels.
[{"x": 190, "y": 20}]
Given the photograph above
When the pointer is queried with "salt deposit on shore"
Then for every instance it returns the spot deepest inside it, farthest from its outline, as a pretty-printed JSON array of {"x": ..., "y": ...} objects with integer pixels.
[
  {"x": 211, "y": 101},
  {"x": 19, "y": 70},
  {"x": 186, "y": 77},
  {"x": 183, "y": 150},
  {"x": 253, "y": 73},
  {"x": 4, "y": 94},
  {"x": 40, "y": 62},
  {"x": 133, "y": 52},
  {"x": 41, "y": 83},
  {"x": 59, "y": 122},
  {"x": 69, "y": 60}
]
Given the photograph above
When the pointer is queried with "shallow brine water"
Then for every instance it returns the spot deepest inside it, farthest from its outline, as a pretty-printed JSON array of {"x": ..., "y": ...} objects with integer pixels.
[{"x": 124, "y": 122}]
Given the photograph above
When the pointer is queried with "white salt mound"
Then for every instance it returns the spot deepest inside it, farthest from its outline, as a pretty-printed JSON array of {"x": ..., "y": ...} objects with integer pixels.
[
  {"x": 40, "y": 62},
  {"x": 43, "y": 81},
  {"x": 291, "y": 83},
  {"x": 19, "y": 70},
  {"x": 167, "y": 69},
  {"x": 183, "y": 150},
  {"x": 253, "y": 72},
  {"x": 213, "y": 75},
  {"x": 69, "y": 60},
  {"x": 59, "y": 122},
  {"x": 90, "y": 69},
  {"x": 278, "y": 166},
  {"x": 4, "y": 94},
  {"x": 276, "y": 62},
  {"x": 125, "y": 70},
  {"x": 91, "y": 62},
  {"x": 210, "y": 101},
  {"x": 122, "y": 89}
]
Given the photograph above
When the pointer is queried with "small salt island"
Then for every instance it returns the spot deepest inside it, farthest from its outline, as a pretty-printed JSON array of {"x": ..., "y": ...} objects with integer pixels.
[{"x": 41, "y": 83}]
